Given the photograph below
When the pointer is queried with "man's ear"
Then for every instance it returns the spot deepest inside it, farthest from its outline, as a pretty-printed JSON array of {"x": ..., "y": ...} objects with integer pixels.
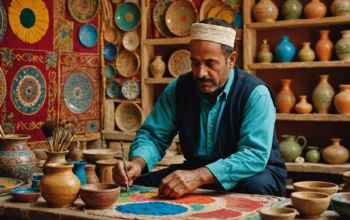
[{"x": 232, "y": 59}]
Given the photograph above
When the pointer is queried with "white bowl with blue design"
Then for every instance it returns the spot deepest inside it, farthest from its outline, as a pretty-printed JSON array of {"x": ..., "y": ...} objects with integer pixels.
[{"x": 131, "y": 89}]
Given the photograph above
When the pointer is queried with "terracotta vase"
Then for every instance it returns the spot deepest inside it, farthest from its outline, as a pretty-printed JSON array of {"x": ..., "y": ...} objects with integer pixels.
[
  {"x": 16, "y": 159},
  {"x": 59, "y": 187},
  {"x": 342, "y": 47},
  {"x": 91, "y": 176},
  {"x": 285, "y": 99},
  {"x": 265, "y": 55},
  {"x": 346, "y": 177},
  {"x": 322, "y": 96},
  {"x": 306, "y": 54},
  {"x": 157, "y": 67},
  {"x": 265, "y": 11},
  {"x": 335, "y": 153},
  {"x": 54, "y": 157},
  {"x": 105, "y": 168},
  {"x": 342, "y": 99},
  {"x": 340, "y": 8},
  {"x": 303, "y": 107},
  {"x": 315, "y": 9},
  {"x": 324, "y": 47},
  {"x": 292, "y": 9}
]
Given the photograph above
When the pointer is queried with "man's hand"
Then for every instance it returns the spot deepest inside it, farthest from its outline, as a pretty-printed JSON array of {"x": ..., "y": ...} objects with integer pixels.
[{"x": 134, "y": 168}]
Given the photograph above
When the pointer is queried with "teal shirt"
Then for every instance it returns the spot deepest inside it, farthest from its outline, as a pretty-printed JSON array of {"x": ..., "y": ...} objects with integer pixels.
[{"x": 158, "y": 131}]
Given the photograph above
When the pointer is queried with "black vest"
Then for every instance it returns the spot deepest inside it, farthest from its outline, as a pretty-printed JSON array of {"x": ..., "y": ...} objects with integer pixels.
[{"x": 188, "y": 107}]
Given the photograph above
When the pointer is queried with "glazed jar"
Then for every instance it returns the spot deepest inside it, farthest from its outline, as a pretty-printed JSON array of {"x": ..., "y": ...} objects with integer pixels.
[
  {"x": 55, "y": 157},
  {"x": 292, "y": 9},
  {"x": 340, "y": 8},
  {"x": 79, "y": 171},
  {"x": 306, "y": 54},
  {"x": 315, "y": 9},
  {"x": 303, "y": 107},
  {"x": 290, "y": 148},
  {"x": 105, "y": 169},
  {"x": 322, "y": 96},
  {"x": 346, "y": 177},
  {"x": 285, "y": 99},
  {"x": 335, "y": 153},
  {"x": 313, "y": 154},
  {"x": 342, "y": 47},
  {"x": 324, "y": 47},
  {"x": 265, "y": 11},
  {"x": 265, "y": 55},
  {"x": 157, "y": 67},
  {"x": 285, "y": 50},
  {"x": 91, "y": 176},
  {"x": 342, "y": 99},
  {"x": 16, "y": 159},
  {"x": 59, "y": 187}
]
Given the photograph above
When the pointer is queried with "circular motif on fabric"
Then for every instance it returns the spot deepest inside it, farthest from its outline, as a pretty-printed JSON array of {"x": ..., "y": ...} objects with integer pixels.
[
  {"x": 28, "y": 90},
  {"x": 2, "y": 87},
  {"x": 152, "y": 208},
  {"x": 91, "y": 126},
  {"x": 78, "y": 92},
  {"x": 3, "y": 22},
  {"x": 83, "y": 11}
]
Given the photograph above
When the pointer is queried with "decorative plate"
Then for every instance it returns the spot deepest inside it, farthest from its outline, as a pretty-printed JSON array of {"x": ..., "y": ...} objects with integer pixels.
[
  {"x": 128, "y": 63},
  {"x": 111, "y": 35},
  {"x": 226, "y": 15},
  {"x": 214, "y": 11},
  {"x": 131, "y": 40},
  {"x": 3, "y": 23},
  {"x": 179, "y": 62},
  {"x": 28, "y": 90},
  {"x": 2, "y": 86},
  {"x": 91, "y": 127},
  {"x": 109, "y": 51},
  {"x": 9, "y": 184},
  {"x": 131, "y": 89},
  {"x": 109, "y": 71},
  {"x": 128, "y": 16},
  {"x": 180, "y": 16},
  {"x": 78, "y": 92},
  {"x": 128, "y": 117},
  {"x": 113, "y": 90},
  {"x": 88, "y": 35},
  {"x": 206, "y": 6},
  {"x": 83, "y": 11},
  {"x": 159, "y": 17}
]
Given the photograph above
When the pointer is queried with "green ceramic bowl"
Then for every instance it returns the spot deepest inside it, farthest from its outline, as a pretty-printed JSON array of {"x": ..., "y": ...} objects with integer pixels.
[{"x": 128, "y": 16}]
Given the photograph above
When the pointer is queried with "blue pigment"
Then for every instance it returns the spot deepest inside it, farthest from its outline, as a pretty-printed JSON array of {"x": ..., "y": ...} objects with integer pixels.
[
  {"x": 139, "y": 189},
  {"x": 152, "y": 208}
]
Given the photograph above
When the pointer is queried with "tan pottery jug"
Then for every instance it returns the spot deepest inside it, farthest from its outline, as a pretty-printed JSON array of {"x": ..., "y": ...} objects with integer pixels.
[
  {"x": 335, "y": 153},
  {"x": 55, "y": 157},
  {"x": 342, "y": 99},
  {"x": 265, "y": 11},
  {"x": 303, "y": 107},
  {"x": 157, "y": 67},
  {"x": 322, "y": 96},
  {"x": 306, "y": 54}
]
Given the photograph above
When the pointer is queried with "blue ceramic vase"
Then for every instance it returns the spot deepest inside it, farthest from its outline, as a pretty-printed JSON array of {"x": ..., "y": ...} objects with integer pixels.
[
  {"x": 79, "y": 170},
  {"x": 285, "y": 50}
]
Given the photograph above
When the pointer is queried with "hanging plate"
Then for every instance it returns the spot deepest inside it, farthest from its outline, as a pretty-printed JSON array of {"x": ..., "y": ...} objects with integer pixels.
[
  {"x": 128, "y": 16},
  {"x": 83, "y": 11},
  {"x": 131, "y": 89},
  {"x": 179, "y": 62},
  {"x": 128, "y": 63},
  {"x": 88, "y": 35},
  {"x": 3, "y": 22},
  {"x": 131, "y": 40},
  {"x": 113, "y": 90},
  {"x": 206, "y": 6},
  {"x": 159, "y": 17},
  {"x": 109, "y": 51},
  {"x": 128, "y": 117}
]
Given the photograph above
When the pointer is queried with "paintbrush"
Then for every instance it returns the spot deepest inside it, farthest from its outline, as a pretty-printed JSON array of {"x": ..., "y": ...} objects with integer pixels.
[
  {"x": 47, "y": 129},
  {"x": 2, "y": 132},
  {"x": 125, "y": 167}
]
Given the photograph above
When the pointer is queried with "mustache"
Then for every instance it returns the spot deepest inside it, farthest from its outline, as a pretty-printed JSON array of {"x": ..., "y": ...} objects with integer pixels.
[{"x": 204, "y": 79}]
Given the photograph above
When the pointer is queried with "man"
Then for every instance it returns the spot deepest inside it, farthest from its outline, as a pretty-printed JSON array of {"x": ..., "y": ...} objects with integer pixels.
[{"x": 225, "y": 119}]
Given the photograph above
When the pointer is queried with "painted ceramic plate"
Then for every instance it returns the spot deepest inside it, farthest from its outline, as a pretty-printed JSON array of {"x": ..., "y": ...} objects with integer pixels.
[
  {"x": 78, "y": 92},
  {"x": 109, "y": 51},
  {"x": 128, "y": 63},
  {"x": 113, "y": 90},
  {"x": 131, "y": 89},
  {"x": 131, "y": 40},
  {"x": 128, "y": 117},
  {"x": 109, "y": 71},
  {"x": 83, "y": 11},
  {"x": 88, "y": 35},
  {"x": 9, "y": 184},
  {"x": 179, "y": 62},
  {"x": 28, "y": 90},
  {"x": 3, "y": 22},
  {"x": 128, "y": 16},
  {"x": 214, "y": 11},
  {"x": 226, "y": 15},
  {"x": 2, "y": 86},
  {"x": 206, "y": 6},
  {"x": 159, "y": 17},
  {"x": 180, "y": 16},
  {"x": 91, "y": 127}
]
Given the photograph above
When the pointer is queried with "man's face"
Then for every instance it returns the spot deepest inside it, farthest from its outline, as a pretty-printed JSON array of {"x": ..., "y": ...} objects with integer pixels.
[{"x": 210, "y": 68}]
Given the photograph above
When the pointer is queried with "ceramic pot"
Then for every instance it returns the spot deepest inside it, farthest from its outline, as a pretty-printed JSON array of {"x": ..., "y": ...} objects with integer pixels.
[
  {"x": 315, "y": 9},
  {"x": 342, "y": 47},
  {"x": 292, "y": 9},
  {"x": 346, "y": 177},
  {"x": 290, "y": 148},
  {"x": 340, "y": 8},
  {"x": 324, "y": 47},
  {"x": 303, "y": 107},
  {"x": 91, "y": 176},
  {"x": 59, "y": 187},
  {"x": 285, "y": 99},
  {"x": 105, "y": 169},
  {"x": 342, "y": 99},
  {"x": 285, "y": 50},
  {"x": 306, "y": 54},
  {"x": 16, "y": 159},
  {"x": 335, "y": 153},
  {"x": 322, "y": 96},
  {"x": 313, "y": 154},
  {"x": 79, "y": 171},
  {"x": 265, "y": 55},
  {"x": 265, "y": 11},
  {"x": 157, "y": 67},
  {"x": 54, "y": 157}
]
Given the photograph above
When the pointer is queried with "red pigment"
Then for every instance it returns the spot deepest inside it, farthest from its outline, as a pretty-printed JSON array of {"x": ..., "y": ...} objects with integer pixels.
[
  {"x": 218, "y": 214},
  {"x": 194, "y": 199},
  {"x": 243, "y": 204}
]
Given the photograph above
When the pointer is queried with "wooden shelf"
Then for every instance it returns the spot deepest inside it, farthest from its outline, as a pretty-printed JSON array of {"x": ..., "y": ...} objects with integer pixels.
[
  {"x": 312, "y": 117},
  {"x": 87, "y": 137},
  {"x": 318, "y": 168},
  {"x": 158, "y": 80},
  {"x": 138, "y": 100},
  {"x": 321, "y": 22},
  {"x": 295, "y": 65},
  {"x": 168, "y": 41},
  {"x": 123, "y": 136}
]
